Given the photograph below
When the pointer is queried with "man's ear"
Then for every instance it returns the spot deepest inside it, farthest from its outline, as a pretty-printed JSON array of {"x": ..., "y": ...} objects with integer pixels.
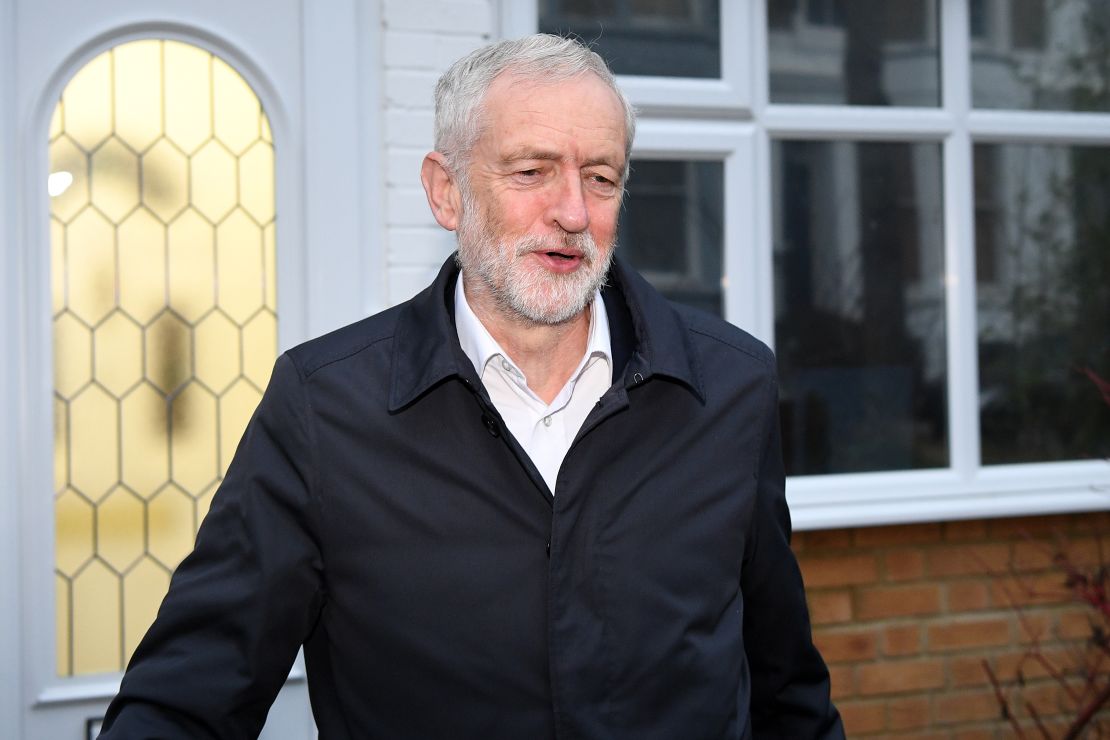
[{"x": 444, "y": 197}]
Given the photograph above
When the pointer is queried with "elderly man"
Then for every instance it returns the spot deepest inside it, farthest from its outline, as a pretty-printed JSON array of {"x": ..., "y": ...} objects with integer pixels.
[{"x": 534, "y": 501}]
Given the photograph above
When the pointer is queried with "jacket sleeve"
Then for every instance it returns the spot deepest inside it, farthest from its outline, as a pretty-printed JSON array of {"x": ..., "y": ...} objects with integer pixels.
[
  {"x": 790, "y": 683},
  {"x": 240, "y": 605}
]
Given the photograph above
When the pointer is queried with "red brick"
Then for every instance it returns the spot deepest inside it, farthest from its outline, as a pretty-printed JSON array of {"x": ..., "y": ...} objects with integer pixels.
[
  {"x": 1047, "y": 588},
  {"x": 846, "y": 646},
  {"x": 826, "y": 539},
  {"x": 959, "y": 560},
  {"x": 1035, "y": 555},
  {"x": 975, "y": 734},
  {"x": 964, "y": 671},
  {"x": 910, "y": 713},
  {"x": 843, "y": 570},
  {"x": 1095, "y": 522},
  {"x": 902, "y": 640},
  {"x": 1025, "y": 663},
  {"x": 898, "y": 601},
  {"x": 967, "y": 596},
  {"x": 862, "y": 717},
  {"x": 1075, "y": 625},
  {"x": 968, "y": 706},
  {"x": 1025, "y": 527},
  {"x": 1034, "y": 629},
  {"x": 830, "y": 607},
  {"x": 904, "y": 565},
  {"x": 905, "y": 534},
  {"x": 900, "y": 676},
  {"x": 842, "y": 681},
  {"x": 966, "y": 633},
  {"x": 965, "y": 531}
]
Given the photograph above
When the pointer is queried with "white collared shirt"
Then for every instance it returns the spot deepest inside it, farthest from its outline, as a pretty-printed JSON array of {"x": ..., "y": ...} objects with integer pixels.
[{"x": 544, "y": 430}]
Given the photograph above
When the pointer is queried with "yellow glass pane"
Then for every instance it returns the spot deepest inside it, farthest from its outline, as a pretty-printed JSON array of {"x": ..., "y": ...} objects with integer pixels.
[
  {"x": 72, "y": 355},
  {"x": 165, "y": 180},
  {"x": 122, "y": 367},
  {"x": 170, "y": 515},
  {"x": 73, "y": 528},
  {"x": 142, "y": 266},
  {"x": 115, "y": 180},
  {"x": 157, "y": 215},
  {"x": 269, "y": 259},
  {"x": 93, "y": 442},
  {"x": 188, "y": 95},
  {"x": 193, "y": 453},
  {"x": 191, "y": 261},
  {"x": 259, "y": 348},
  {"x": 62, "y": 626},
  {"x": 65, "y": 156},
  {"x": 168, "y": 352},
  {"x": 144, "y": 440},
  {"x": 256, "y": 182},
  {"x": 217, "y": 342},
  {"x": 57, "y": 257},
  {"x": 119, "y": 529},
  {"x": 213, "y": 182},
  {"x": 90, "y": 267},
  {"x": 138, "y": 93},
  {"x": 236, "y": 407},
  {"x": 143, "y": 588},
  {"x": 88, "y": 103},
  {"x": 239, "y": 276},
  {"x": 61, "y": 441},
  {"x": 236, "y": 108},
  {"x": 96, "y": 620}
]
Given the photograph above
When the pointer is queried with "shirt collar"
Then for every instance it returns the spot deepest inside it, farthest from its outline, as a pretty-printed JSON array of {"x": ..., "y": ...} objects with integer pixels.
[
  {"x": 479, "y": 346},
  {"x": 426, "y": 347}
]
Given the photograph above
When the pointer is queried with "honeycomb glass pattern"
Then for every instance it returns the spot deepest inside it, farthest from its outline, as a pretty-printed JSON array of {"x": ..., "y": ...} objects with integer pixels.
[{"x": 165, "y": 330}]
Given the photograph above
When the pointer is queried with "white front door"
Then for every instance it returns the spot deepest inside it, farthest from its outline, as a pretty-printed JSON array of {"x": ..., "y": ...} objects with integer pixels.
[{"x": 89, "y": 509}]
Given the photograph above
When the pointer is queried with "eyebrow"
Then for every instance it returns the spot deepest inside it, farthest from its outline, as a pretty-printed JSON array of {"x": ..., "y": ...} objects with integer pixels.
[{"x": 523, "y": 154}]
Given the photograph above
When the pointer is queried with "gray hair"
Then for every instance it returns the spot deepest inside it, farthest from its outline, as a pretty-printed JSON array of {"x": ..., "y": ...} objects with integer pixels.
[{"x": 461, "y": 91}]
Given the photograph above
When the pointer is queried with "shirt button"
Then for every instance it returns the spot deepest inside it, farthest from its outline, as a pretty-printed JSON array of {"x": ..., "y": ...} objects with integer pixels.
[
  {"x": 506, "y": 366},
  {"x": 547, "y": 421}
]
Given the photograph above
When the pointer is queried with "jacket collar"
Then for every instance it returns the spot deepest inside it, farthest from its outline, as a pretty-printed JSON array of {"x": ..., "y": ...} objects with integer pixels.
[{"x": 648, "y": 337}]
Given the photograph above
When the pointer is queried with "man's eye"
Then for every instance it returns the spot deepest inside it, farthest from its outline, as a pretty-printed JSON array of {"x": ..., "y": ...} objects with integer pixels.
[{"x": 528, "y": 173}]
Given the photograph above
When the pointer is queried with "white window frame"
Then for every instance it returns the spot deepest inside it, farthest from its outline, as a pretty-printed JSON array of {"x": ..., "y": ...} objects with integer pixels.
[{"x": 733, "y": 120}]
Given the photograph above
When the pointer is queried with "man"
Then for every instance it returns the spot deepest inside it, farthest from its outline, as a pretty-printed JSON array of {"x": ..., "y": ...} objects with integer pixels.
[{"x": 534, "y": 501}]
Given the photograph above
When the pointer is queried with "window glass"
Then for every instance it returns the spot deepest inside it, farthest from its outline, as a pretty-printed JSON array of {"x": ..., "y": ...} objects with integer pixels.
[
  {"x": 162, "y": 260},
  {"x": 1041, "y": 55},
  {"x": 854, "y": 52},
  {"x": 672, "y": 228},
  {"x": 670, "y": 38},
  {"x": 859, "y": 305},
  {"x": 1044, "y": 308}
]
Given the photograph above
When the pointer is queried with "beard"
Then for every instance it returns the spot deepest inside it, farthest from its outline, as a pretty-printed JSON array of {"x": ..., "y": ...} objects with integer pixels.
[{"x": 522, "y": 289}]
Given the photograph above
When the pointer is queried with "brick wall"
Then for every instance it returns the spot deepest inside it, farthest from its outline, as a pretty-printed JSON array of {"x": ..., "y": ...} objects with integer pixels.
[
  {"x": 905, "y": 616},
  {"x": 420, "y": 40}
]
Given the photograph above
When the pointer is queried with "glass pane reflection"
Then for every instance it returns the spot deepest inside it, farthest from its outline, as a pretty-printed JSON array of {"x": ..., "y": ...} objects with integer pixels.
[
  {"x": 669, "y": 38},
  {"x": 859, "y": 306},
  {"x": 1041, "y": 54},
  {"x": 855, "y": 52},
  {"x": 672, "y": 226},
  {"x": 1043, "y": 228}
]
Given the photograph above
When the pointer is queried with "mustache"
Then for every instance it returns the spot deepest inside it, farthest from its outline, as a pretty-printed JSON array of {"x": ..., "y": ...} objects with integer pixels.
[{"x": 580, "y": 242}]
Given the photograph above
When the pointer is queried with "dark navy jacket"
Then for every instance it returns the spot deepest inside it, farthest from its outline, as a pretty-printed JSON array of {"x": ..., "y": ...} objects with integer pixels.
[{"x": 379, "y": 513}]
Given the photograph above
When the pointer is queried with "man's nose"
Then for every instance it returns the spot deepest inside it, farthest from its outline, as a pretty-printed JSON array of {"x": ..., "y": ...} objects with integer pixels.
[{"x": 568, "y": 207}]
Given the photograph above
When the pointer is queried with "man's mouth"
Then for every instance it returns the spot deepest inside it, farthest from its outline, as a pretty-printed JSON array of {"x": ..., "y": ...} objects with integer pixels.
[{"x": 563, "y": 255}]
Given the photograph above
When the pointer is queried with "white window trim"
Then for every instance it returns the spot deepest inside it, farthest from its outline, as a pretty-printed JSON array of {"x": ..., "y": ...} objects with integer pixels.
[{"x": 711, "y": 125}]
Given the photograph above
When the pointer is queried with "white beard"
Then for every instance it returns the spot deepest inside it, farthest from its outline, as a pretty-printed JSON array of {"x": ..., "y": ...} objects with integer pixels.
[{"x": 519, "y": 288}]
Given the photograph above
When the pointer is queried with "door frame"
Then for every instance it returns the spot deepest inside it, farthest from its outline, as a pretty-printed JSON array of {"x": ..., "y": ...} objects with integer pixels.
[{"x": 323, "y": 105}]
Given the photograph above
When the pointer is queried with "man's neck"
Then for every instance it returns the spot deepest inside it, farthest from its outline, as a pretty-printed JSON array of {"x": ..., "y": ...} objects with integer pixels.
[{"x": 546, "y": 354}]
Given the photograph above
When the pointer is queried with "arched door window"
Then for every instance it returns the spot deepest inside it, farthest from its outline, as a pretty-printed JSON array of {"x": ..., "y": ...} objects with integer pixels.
[{"x": 164, "y": 320}]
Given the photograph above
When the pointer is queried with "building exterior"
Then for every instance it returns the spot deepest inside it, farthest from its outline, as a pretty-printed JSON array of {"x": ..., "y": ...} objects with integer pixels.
[{"x": 906, "y": 200}]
